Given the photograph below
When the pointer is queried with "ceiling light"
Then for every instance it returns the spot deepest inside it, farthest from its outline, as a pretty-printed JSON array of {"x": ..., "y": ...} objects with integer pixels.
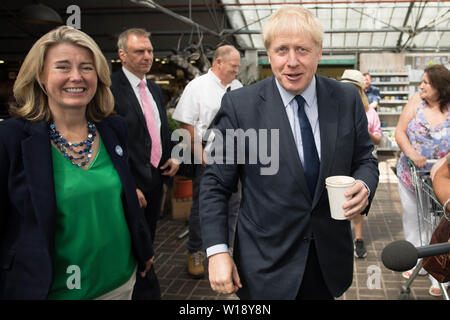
[{"x": 40, "y": 14}]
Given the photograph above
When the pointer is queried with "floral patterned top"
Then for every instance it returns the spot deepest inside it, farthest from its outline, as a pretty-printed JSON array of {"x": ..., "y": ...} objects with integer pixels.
[{"x": 432, "y": 143}]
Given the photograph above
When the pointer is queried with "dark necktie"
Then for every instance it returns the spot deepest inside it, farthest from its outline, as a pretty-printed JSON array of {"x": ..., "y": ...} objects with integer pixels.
[{"x": 311, "y": 162}]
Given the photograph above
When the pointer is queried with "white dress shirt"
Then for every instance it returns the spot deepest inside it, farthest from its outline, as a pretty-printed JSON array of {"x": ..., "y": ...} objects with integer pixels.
[
  {"x": 311, "y": 110},
  {"x": 200, "y": 102}
]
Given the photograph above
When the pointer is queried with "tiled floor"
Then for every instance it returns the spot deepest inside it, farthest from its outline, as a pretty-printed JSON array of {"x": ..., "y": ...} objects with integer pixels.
[{"x": 382, "y": 226}]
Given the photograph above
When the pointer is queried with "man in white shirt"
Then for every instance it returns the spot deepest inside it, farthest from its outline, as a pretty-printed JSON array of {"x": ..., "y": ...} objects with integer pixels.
[{"x": 195, "y": 111}]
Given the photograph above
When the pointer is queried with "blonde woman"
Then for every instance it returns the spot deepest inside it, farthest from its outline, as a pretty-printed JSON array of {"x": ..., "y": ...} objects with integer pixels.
[
  {"x": 356, "y": 78},
  {"x": 70, "y": 223}
]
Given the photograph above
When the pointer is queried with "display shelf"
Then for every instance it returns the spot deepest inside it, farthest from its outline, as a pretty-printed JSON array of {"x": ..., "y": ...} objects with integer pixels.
[
  {"x": 388, "y": 83},
  {"x": 394, "y": 92},
  {"x": 392, "y": 113},
  {"x": 393, "y": 101},
  {"x": 388, "y": 74},
  {"x": 388, "y": 142}
]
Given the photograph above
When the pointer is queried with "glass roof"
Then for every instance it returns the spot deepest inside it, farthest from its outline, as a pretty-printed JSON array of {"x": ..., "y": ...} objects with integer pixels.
[{"x": 354, "y": 26}]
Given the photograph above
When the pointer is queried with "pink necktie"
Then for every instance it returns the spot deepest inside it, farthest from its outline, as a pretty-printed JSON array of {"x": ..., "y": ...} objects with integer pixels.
[{"x": 155, "y": 155}]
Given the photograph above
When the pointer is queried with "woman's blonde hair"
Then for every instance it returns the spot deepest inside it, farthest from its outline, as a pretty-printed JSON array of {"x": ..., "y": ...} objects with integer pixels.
[
  {"x": 292, "y": 20},
  {"x": 32, "y": 103},
  {"x": 364, "y": 99}
]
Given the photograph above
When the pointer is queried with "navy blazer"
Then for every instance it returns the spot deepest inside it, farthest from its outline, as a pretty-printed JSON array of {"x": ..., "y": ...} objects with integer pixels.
[
  {"x": 140, "y": 143},
  {"x": 28, "y": 207},
  {"x": 277, "y": 215}
]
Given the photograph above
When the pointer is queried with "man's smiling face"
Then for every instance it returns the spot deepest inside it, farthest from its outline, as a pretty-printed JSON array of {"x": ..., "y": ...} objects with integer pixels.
[{"x": 294, "y": 60}]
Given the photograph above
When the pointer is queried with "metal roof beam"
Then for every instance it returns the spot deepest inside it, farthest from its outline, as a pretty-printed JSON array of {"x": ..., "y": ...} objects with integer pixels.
[
  {"x": 153, "y": 4},
  {"x": 391, "y": 29},
  {"x": 405, "y": 22},
  {"x": 353, "y": 50}
]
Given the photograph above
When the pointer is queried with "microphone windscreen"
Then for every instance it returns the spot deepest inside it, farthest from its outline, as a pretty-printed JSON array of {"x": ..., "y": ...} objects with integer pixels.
[{"x": 399, "y": 256}]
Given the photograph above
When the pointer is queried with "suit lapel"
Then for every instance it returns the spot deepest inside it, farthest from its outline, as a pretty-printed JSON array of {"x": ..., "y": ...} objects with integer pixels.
[
  {"x": 276, "y": 118},
  {"x": 328, "y": 123},
  {"x": 155, "y": 96},
  {"x": 38, "y": 169},
  {"x": 116, "y": 152},
  {"x": 113, "y": 146},
  {"x": 164, "y": 130}
]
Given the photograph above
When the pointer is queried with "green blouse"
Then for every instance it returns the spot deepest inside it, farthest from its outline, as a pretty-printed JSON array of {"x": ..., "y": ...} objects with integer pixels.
[{"x": 92, "y": 241}]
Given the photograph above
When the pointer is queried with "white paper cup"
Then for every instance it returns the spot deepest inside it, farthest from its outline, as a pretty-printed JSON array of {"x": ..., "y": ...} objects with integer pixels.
[{"x": 336, "y": 187}]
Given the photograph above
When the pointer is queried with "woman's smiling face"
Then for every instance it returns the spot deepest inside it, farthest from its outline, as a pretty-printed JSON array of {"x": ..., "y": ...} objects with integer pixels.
[{"x": 69, "y": 76}]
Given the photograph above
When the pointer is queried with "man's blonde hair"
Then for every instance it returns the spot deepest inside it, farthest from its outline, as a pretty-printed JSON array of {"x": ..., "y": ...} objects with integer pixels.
[
  {"x": 123, "y": 37},
  {"x": 31, "y": 98},
  {"x": 292, "y": 20}
]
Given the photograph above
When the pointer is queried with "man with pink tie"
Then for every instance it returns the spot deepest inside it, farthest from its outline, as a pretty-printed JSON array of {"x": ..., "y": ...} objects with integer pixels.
[{"x": 140, "y": 102}]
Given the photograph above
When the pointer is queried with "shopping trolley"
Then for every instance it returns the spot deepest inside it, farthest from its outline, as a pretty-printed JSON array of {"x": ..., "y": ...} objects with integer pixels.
[{"x": 429, "y": 214}]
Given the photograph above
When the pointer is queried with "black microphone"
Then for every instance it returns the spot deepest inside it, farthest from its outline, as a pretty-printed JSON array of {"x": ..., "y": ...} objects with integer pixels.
[{"x": 402, "y": 255}]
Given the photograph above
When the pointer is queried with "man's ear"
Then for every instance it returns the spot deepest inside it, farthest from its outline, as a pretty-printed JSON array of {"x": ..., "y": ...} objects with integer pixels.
[
  {"x": 122, "y": 54},
  {"x": 320, "y": 53}
]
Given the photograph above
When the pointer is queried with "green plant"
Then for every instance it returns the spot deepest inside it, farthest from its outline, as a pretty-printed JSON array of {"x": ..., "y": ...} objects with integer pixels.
[{"x": 173, "y": 124}]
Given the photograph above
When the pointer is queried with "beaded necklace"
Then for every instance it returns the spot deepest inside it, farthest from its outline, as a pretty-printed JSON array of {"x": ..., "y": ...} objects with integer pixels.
[{"x": 79, "y": 154}]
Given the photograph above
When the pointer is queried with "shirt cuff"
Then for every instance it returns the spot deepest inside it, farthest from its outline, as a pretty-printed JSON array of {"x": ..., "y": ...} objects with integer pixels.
[{"x": 218, "y": 248}]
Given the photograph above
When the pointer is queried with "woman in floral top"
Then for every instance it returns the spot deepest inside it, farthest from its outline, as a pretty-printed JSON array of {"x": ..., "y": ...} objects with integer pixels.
[{"x": 423, "y": 132}]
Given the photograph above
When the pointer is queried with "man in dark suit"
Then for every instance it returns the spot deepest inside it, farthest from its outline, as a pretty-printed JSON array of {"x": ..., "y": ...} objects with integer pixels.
[
  {"x": 141, "y": 103},
  {"x": 287, "y": 245}
]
